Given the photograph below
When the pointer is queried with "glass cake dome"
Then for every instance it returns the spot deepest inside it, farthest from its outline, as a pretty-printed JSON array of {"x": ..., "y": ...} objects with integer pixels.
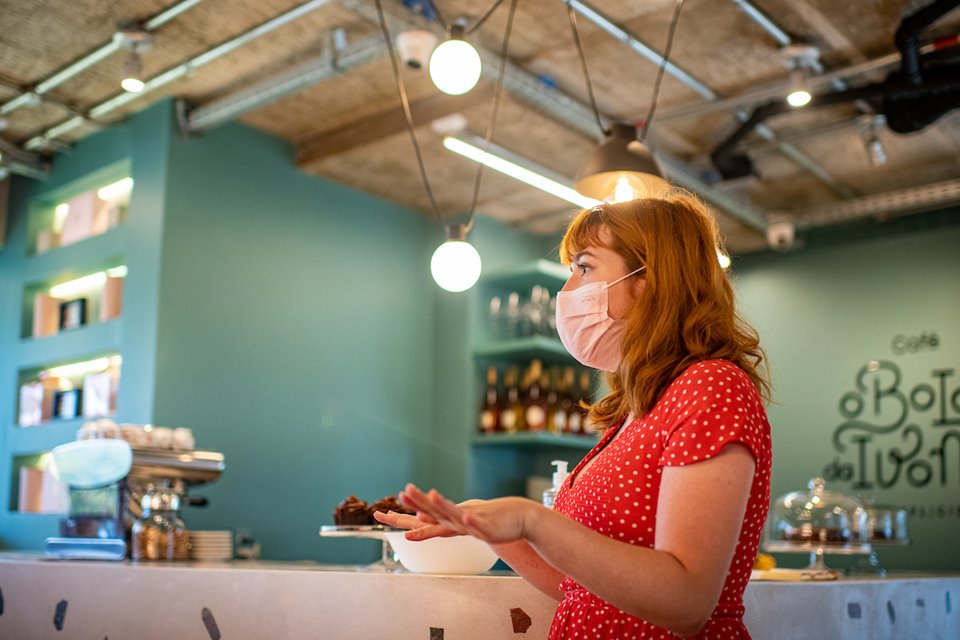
[{"x": 817, "y": 521}]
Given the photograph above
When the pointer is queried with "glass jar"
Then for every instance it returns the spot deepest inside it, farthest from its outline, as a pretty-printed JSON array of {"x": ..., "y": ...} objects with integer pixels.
[
  {"x": 886, "y": 524},
  {"x": 159, "y": 533},
  {"x": 816, "y": 518}
]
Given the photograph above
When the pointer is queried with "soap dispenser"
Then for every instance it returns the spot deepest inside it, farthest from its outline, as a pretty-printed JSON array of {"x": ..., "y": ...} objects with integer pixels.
[{"x": 550, "y": 495}]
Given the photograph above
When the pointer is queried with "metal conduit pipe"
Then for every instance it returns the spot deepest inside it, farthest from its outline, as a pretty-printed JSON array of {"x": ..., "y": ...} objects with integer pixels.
[
  {"x": 306, "y": 74},
  {"x": 620, "y": 33},
  {"x": 168, "y": 76},
  {"x": 34, "y": 95}
]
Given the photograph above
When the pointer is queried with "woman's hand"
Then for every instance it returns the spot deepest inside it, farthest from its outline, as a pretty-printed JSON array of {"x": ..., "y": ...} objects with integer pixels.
[{"x": 493, "y": 521}]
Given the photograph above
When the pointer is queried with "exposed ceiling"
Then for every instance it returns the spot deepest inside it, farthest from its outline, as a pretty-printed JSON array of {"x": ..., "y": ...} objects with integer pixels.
[{"x": 810, "y": 165}]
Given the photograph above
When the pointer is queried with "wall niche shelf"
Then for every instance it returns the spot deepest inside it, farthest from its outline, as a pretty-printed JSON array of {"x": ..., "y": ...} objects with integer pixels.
[
  {"x": 502, "y": 461},
  {"x": 534, "y": 440}
]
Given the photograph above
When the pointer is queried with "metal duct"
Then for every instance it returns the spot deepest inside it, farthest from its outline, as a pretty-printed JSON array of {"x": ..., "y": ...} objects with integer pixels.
[
  {"x": 168, "y": 76},
  {"x": 34, "y": 95}
]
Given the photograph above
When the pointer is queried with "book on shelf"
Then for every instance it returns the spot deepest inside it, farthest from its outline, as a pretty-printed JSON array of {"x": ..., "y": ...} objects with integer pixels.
[
  {"x": 46, "y": 315},
  {"x": 111, "y": 303}
]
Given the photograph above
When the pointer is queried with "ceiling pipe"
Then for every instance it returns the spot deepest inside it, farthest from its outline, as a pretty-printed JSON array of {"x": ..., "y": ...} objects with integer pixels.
[
  {"x": 904, "y": 201},
  {"x": 907, "y": 106},
  {"x": 907, "y": 37},
  {"x": 22, "y": 162},
  {"x": 779, "y": 89},
  {"x": 335, "y": 60},
  {"x": 176, "y": 72},
  {"x": 35, "y": 95},
  {"x": 622, "y": 34}
]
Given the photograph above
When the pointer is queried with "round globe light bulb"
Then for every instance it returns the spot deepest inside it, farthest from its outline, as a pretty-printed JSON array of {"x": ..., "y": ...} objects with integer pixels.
[
  {"x": 799, "y": 98},
  {"x": 455, "y": 67},
  {"x": 455, "y": 265},
  {"x": 133, "y": 85}
]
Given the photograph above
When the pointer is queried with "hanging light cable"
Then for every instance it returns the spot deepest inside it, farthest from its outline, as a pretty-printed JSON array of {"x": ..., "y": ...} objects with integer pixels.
[{"x": 456, "y": 256}]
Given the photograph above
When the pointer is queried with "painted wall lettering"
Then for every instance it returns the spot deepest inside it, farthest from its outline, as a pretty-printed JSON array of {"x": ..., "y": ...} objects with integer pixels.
[
  {"x": 881, "y": 443},
  {"x": 928, "y": 340}
]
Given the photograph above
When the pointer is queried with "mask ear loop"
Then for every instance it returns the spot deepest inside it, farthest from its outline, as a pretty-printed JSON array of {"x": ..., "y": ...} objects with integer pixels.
[{"x": 635, "y": 271}]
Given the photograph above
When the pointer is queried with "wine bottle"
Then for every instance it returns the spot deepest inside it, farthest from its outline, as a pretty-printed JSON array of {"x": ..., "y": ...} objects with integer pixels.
[{"x": 491, "y": 407}]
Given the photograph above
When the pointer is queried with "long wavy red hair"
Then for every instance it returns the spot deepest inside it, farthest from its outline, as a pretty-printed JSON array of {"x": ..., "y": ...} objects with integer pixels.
[{"x": 686, "y": 312}]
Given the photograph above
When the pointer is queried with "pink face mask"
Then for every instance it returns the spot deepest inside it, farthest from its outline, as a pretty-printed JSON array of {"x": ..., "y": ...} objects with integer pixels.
[{"x": 586, "y": 328}]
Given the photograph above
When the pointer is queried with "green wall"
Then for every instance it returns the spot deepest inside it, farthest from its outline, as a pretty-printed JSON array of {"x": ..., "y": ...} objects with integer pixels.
[
  {"x": 295, "y": 337},
  {"x": 826, "y": 311}
]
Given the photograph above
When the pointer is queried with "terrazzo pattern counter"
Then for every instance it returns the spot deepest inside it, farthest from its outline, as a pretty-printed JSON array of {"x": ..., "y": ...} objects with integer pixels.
[{"x": 42, "y": 599}]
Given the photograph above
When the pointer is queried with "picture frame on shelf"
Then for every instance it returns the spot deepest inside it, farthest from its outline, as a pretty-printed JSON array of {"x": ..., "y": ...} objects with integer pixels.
[
  {"x": 97, "y": 391},
  {"x": 73, "y": 314},
  {"x": 68, "y": 404},
  {"x": 31, "y": 404}
]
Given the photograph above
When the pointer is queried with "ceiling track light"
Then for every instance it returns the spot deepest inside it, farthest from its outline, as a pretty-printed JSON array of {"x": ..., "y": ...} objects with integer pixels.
[
  {"x": 135, "y": 40},
  {"x": 872, "y": 144},
  {"x": 801, "y": 59}
]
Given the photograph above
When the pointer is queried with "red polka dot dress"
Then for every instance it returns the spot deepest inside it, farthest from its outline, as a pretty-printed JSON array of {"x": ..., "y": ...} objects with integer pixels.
[{"x": 710, "y": 405}]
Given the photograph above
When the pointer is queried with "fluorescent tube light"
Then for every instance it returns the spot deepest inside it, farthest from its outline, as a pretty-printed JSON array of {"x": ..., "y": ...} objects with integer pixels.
[
  {"x": 116, "y": 191},
  {"x": 517, "y": 172},
  {"x": 73, "y": 288},
  {"x": 80, "y": 368}
]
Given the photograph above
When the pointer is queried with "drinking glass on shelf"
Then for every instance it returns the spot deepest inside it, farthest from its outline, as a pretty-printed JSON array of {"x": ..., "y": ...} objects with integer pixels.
[
  {"x": 495, "y": 318},
  {"x": 511, "y": 317}
]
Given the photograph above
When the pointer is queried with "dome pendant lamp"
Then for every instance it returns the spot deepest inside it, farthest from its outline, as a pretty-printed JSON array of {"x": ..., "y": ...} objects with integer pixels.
[{"x": 620, "y": 168}]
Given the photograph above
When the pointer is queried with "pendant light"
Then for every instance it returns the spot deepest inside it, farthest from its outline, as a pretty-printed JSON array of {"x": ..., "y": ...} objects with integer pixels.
[
  {"x": 620, "y": 168},
  {"x": 455, "y": 65},
  {"x": 456, "y": 264}
]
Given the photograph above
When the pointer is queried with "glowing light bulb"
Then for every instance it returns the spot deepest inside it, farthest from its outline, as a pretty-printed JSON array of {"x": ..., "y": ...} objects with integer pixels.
[
  {"x": 723, "y": 259},
  {"x": 624, "y": 191},
  {"x": 455, "y": 265},
  {"x": 455, "y": 67},
  {"x": 799, "y": 98}
]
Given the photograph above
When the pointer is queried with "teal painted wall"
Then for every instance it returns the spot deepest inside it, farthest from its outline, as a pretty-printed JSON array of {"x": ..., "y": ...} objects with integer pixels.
[
  {"x": 823, "y": 313},
  {"x": 137, "y": 148},
  {"x": 295, "y": 337}
]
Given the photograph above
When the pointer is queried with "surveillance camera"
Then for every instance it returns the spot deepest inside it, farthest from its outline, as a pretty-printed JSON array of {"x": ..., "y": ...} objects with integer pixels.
[
  {"x": 415, "y": 47},
  {"x": 781, "y": 235}
]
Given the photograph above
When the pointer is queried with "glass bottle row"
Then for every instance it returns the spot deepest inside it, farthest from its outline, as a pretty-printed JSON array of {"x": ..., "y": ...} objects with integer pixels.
[{"x": 535, "y": 399}]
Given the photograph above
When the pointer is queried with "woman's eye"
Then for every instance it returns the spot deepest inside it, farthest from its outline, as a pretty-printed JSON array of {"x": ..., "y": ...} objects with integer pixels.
[{"x": 582, "y": 268}]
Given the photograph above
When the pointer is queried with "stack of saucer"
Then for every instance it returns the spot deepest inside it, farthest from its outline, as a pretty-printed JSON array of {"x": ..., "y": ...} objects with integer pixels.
[{"x": 211, "y": 546}]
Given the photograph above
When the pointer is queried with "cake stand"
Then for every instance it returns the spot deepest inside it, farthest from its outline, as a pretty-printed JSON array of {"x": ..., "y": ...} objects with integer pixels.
[
  {"x": 387, "y": 561},
  {"x": 817, "y": 551}
]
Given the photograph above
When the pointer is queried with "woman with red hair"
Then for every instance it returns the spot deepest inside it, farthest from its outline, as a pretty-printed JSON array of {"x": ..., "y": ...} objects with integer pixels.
[{"x": 654, "y": 533}]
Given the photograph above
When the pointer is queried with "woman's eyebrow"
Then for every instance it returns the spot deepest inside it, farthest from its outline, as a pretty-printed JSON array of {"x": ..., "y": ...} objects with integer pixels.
[{"x": 581, "y": 254}]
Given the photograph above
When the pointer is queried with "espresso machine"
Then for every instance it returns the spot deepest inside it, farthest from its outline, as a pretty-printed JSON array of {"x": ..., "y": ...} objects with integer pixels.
[{"x": 107, "y": 480}]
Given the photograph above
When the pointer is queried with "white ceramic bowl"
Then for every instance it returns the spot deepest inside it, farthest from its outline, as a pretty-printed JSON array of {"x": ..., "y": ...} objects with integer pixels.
[{"x": 462, "y": 555}]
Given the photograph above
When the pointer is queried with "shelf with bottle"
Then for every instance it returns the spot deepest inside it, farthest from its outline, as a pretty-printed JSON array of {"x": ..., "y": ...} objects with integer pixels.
[
  {"x": 68, "y": 390},
  {"x": 82, "y": 210},
  {"x": 534, "y": 405}
]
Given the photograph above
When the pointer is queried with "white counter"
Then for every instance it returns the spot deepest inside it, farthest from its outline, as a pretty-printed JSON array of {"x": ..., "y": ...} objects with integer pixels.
[{"x": 247, "y": 600}]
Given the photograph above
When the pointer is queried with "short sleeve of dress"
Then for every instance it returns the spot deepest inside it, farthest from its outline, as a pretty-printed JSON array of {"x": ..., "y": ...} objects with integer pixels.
[{"x": 714, "y": 403}]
